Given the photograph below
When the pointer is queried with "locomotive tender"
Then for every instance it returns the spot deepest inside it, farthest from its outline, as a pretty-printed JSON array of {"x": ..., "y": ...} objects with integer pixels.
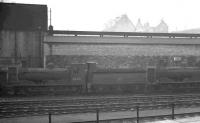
[{"x": 87, "y": 78}]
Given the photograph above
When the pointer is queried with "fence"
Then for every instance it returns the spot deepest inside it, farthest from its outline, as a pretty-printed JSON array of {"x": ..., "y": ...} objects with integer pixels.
[{"x": 137, "y": 118}]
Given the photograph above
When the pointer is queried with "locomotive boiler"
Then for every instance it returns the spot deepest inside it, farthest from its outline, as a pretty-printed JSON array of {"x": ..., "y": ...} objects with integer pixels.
[
  {"x": 87, "y": 78},
  {"x": 16, "y": 80},
  {"x": 178, "y": 80}
]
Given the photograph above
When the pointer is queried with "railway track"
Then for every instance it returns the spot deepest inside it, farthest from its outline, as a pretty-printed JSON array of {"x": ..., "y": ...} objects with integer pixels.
[{"x": 86, "y": 105}]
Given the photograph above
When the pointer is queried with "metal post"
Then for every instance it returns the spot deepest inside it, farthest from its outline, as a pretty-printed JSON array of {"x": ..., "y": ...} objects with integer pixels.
[
  {"x": 50, "y": 16},
  {"x": 173, "y": 111},
  {"x": 42, "y": 48},
  {"x": 137, "y": 108},
  {"x": 89, "y": 75},
  {"x": 87, "y": 78},
  {"x": 50, "y": 49},
  {"x": 49, "y": 117},
  {"x": 16, "y": 47},
  {"x": 50, "y": 26},
  {"x": 97, "y": 114}
]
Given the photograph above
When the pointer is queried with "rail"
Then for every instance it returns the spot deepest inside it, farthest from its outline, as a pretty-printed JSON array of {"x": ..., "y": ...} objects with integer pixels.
[
  {"x": 125, "y": 34},
  {"x": 185, "y": 104}
]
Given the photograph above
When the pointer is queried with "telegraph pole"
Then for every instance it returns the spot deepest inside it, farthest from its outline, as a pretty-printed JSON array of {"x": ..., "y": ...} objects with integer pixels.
[
  {"x": 50, "y": 26},
  {"x": 50, "y": 16}
]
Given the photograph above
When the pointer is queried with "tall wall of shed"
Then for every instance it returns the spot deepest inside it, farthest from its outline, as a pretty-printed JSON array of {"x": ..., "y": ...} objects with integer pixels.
[{"x": 22, "y": 47}]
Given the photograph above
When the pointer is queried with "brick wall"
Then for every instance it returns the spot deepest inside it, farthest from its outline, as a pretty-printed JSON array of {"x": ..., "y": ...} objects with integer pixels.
[
  {"x": 125, "y": 50},
  {"x": 124, "y": 56},
  {"x": 139, "y": 62}
]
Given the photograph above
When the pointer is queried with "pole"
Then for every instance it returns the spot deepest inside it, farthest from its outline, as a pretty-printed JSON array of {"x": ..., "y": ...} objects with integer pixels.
[
  {"x": 87, "y": 78},
  {"x": 50, "y": 26},
  {"x": 97, "y": 114},
  {"x": 41, "y": 47},
  {"x": 137, "y": 108},
  {"x": 49, "y": 117},
  {"x": 50, "y": 16},
  {"x": 16, "y": 47},
  {"x": 173, "y": 111}
]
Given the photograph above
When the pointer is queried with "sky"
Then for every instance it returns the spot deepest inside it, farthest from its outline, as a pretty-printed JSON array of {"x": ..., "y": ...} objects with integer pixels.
[{"x": 92, "y": 15}]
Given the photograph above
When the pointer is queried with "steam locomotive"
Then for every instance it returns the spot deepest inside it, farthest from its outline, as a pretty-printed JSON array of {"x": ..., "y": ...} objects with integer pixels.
[{"x": 88, "y": 79}]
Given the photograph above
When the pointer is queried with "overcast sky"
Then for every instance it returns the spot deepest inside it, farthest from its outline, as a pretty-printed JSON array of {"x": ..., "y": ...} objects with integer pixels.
[{"x": 93, "y": 14}]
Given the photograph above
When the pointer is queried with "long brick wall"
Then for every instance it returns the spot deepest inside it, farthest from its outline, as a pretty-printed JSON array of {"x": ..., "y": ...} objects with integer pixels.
[
  {"x": 125, "y": 50},
  {"x": 132, "y": 53},
  {"x": 138, "y": 62}
]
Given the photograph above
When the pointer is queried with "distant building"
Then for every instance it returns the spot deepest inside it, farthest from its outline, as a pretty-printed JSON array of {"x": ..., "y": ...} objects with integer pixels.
[
  {"x": 162, "y": 27},
  {"x": 139, "y": 26},
  {"x": 120, "y": 24},
  {"x": 124, "y": 24}
]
